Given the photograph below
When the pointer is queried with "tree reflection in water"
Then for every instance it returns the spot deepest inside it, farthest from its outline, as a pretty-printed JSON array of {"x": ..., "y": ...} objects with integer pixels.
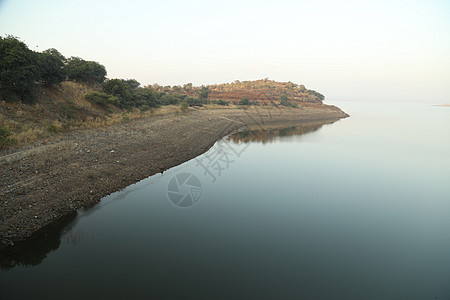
[
  {"x": 34, "y": 250},
  {"x": 269, "y": 133}
]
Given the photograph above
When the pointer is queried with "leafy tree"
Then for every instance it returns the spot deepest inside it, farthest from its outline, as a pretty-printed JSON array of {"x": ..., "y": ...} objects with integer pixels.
[
  {"x": 169, "y": 99},
  {"x": 317, "y": 94},
  {"x": 116, "y": 87},
  {"x": 284, "y": 100},
  {"x": 96, "y": 72},
  {"x": 187, "y": 87},
  {"x": 144, "y": 96},
  {"x": 81, "y": 70},
  {"x": 176, "y": 88},
  {"x": 131, "y": 83},
  {"x": 120, "y": 89},
  {"x": 129, "y": 94},
  {"x": 204, "y": 92},
  {"x": 51, "y": 68},
  {"x": 55, "y": 53},
  {"x": 18, "y": 66}
]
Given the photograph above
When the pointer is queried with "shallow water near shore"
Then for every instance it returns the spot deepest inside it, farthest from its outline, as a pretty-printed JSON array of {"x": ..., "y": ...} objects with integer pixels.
[{"x": 356, "y": 209}]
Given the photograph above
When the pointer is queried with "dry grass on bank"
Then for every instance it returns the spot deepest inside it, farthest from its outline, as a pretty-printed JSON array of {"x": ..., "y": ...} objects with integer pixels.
[
  {"x": 28, "y": 133},
  {"x": 27, "y": 130},
  {"x": 58, "y": 111}
]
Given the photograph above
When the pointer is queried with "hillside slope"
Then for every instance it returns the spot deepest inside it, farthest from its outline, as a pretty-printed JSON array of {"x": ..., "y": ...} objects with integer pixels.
[{"x": 56, "y": 109}]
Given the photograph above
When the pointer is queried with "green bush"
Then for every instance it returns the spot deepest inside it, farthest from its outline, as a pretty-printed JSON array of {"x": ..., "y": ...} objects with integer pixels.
[
  {"x": 284, "y": 100},
  {"x": 191, "y": 101},
  {"x": 9, "y": 95},
  {"x": 144, "y": 108},
  {"x": 125, "y": 118},
  {"x": 169, "y": 99},
  {"x": 317, "y": 94},
  {"x": 101, "y": 99},
  {"x": 5, "y": 141},
  {"x": 69, "y": 109},
  {"x": 184, "y": 106},
  {"x": 222, "y": 102},
  {"x": 244, "y": 101},
  {"x": 52, "y": 128}
]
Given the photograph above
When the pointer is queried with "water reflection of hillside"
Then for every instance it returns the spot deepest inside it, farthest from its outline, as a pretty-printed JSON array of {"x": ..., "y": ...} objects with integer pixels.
[
  {"x": 33, "y": 251},
  {"x": 269, "y": 133}
]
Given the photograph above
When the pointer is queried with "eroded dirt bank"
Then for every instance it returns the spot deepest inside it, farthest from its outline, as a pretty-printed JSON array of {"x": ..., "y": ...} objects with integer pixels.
[{"x": 44, "y": 184}]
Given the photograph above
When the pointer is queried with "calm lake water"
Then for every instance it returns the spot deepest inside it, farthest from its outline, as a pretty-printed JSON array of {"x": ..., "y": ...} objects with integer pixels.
[{"x": 357, "y": 209}]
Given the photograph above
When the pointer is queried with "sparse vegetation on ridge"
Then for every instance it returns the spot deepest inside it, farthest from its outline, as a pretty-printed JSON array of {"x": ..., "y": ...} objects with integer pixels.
[{"x": 263, "y": 91}]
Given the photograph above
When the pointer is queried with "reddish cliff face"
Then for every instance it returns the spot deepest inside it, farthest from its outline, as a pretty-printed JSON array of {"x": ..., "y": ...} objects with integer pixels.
[{"x": 264, "y": 91}]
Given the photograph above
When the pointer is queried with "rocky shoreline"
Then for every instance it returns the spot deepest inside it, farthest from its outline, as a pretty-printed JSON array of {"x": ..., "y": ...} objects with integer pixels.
[{"x": 41, "y": 185}]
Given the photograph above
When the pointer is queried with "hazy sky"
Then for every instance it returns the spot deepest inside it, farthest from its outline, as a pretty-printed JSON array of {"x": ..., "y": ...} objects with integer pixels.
[{"x": 375, "y": 50}]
